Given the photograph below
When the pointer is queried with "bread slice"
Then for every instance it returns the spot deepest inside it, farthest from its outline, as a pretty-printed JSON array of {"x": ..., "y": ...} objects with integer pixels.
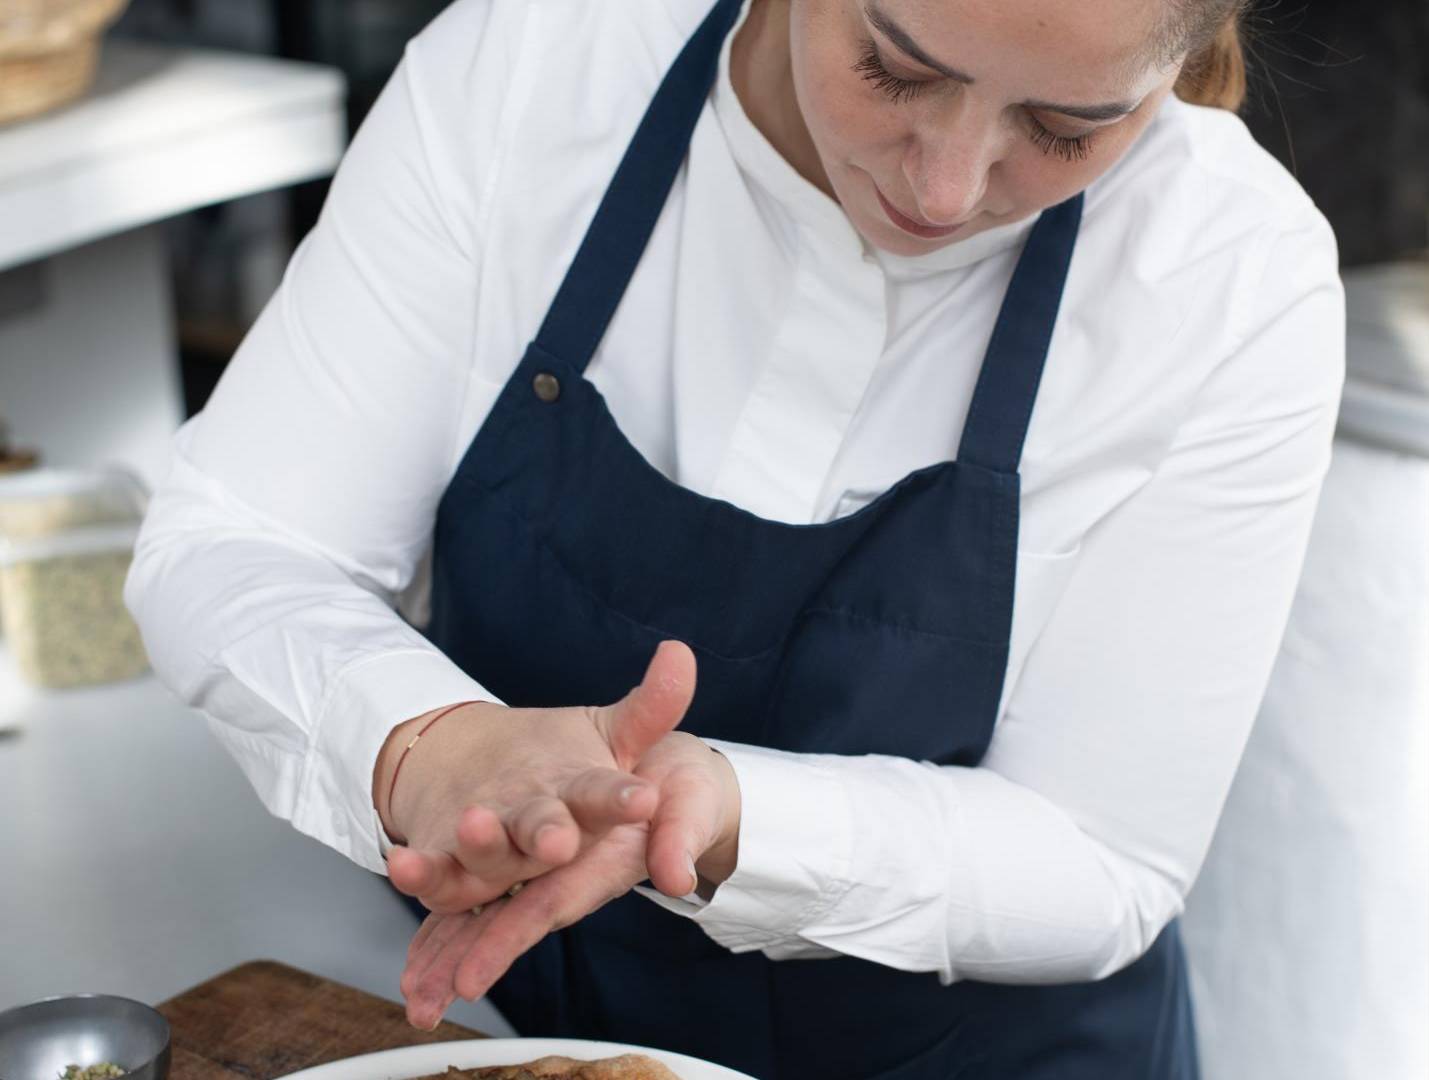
[{"x": 624, "y": 1067}]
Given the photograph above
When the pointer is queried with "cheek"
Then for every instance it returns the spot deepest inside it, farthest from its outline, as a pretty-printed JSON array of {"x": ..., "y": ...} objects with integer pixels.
[
  {"x": 1030, "y": 180},
  {"x": 844, "y": 119},
  {"x": 1063, "y": 179}
]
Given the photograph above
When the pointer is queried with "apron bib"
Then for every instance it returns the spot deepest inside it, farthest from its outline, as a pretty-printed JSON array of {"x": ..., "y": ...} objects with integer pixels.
[{"x": 562, "y": 558}]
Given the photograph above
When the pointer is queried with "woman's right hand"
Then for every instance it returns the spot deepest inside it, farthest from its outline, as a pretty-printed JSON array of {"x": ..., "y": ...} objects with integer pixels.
[
  {"x": 691, "y": 844},
  {"x": 493, "y": 796}
]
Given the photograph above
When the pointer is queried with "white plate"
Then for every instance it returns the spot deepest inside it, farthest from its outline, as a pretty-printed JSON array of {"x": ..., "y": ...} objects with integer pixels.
[{"x": 409, "y": 1061}]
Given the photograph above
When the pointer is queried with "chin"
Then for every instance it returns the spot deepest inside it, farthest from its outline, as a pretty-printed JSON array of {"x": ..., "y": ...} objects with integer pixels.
[{"x": 906, "y": 246}]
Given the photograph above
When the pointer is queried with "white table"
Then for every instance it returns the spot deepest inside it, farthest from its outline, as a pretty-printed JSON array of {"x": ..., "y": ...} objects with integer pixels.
[
  {"x": 88, "y": 362},
  {"x": 135, "y": 859}
]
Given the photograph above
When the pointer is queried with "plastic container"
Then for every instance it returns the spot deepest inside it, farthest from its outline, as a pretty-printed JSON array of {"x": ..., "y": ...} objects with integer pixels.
[
  {"x": 66, "y": 542},
  {"x": 13, "y": 461}
]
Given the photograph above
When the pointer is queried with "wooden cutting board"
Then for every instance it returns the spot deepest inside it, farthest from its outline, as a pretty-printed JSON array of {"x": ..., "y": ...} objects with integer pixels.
[{"x": 264, "y": 1020}]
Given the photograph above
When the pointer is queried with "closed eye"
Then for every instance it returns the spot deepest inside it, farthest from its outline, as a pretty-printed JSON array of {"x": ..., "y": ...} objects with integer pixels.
[
  {"x": 1066, "y": 147},
  {"x": 870, "y": 65},
  {"x": 897, "y": 89}
]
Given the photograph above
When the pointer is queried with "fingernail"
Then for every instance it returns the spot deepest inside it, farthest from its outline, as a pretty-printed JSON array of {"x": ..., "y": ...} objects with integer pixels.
[
  {"x": 694, "y": 875},
  {"x": 627, "y": 793}
]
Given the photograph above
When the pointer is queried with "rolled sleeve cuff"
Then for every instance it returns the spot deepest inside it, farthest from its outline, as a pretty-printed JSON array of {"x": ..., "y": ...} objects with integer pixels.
[
  {"x": 370, "y": 698},
  {"x": 795, "y": 850}
]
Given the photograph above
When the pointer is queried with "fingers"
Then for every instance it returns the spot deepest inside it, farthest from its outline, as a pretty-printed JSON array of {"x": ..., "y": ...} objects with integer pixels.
[
  {"x": 654, "y": 708},
  {"x": 489, "y": 847},
  {"x": 435, "y": 878},
  {"x": 436, "y": 931},
  {"x": 549, "y": 903},
  {"x": 483, "y": 844},
  {"x": 684, "y": 826},
  {"x": 483, "y": 867},
  {"x": 518, "y": 926},
  {"x": 429, "y": 983},
  {"x": 544, "y": 829},
  {"x": 465, "y": 954},
  {"x": 458, "y": 955},
  {"x": 600, "y": 799},
  {"x": 429, "y": 924}
]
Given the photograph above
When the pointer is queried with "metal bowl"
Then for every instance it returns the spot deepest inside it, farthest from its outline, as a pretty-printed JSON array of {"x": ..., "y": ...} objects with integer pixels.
[{"x": 38, "y": 1041}]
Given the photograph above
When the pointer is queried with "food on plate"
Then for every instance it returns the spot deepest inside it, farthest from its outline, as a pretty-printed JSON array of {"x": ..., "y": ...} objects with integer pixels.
[
  {"x": 105, "y": 1070},
  {"x": 624, "y": 1067}
]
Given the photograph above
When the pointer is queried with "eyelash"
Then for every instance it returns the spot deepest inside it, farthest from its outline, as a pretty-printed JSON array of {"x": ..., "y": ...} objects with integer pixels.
[
  {"x": 870, "y": 66},
  {"x": 1066, "y": 147}
]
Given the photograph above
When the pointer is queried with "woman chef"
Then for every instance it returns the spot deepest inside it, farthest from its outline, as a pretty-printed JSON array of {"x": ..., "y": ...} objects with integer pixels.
[{"x": 922, "y": 404}]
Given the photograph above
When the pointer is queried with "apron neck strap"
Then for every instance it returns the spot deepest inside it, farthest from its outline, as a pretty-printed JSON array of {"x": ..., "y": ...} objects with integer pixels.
[
  {"x": 602, "y": 268},
  {"x": 1012, "y": 369},
  {"x": 606, "y": 260}
]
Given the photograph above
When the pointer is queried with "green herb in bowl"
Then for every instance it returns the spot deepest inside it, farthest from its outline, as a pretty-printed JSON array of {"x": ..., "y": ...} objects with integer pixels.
[{"x": 103, "y": 1071}]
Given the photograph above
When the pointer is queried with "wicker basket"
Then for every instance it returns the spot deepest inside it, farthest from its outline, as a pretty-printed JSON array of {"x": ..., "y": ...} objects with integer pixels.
[{"x": 49, "y": 51}]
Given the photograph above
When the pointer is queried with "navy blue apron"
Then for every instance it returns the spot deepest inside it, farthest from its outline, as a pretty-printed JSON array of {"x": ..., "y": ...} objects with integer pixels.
[{"x": 562, "y": 558}]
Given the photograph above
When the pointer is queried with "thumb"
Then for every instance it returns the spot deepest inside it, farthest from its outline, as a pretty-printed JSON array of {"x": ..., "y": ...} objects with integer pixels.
[{"x": 654, "y": 708}]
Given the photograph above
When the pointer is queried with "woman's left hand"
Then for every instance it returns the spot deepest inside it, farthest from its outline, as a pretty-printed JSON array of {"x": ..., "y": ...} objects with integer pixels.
[{"x": 691, "y": 843}]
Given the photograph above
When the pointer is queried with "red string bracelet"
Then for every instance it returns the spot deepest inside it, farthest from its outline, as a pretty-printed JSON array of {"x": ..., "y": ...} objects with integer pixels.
[{"x": 408, "y": 748}]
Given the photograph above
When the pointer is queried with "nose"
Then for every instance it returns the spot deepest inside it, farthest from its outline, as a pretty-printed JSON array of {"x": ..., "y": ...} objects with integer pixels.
[{"x": 948, "y": 170}]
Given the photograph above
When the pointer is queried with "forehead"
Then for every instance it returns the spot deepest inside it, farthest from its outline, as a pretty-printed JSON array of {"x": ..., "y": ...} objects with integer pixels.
[{"x": 1062, "y": 49}]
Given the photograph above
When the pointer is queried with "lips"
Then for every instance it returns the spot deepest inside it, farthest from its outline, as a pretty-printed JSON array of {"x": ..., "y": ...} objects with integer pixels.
[{"x": 913, "y": 226}]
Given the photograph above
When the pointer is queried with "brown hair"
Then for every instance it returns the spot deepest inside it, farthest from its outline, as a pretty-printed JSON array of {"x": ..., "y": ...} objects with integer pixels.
[{"x": 1215, "y": 73}]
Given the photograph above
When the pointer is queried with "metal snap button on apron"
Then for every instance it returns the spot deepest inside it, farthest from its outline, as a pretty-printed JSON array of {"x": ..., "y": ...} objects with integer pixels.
[{"x": 547, "y": 387}]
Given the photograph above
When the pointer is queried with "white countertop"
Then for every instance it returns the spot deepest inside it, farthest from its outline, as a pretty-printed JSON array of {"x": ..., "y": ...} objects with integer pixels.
[
  {"x": 1386, "y": 401},
  {"x": 162, "y": 131},
  {"x": 136, "y": 860}
]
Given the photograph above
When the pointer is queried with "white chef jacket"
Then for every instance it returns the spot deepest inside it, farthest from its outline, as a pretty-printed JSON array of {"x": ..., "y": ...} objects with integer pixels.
[{"x": 764, "y": 354}]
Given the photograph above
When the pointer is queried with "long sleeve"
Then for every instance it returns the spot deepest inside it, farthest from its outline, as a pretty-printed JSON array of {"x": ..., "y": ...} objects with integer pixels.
[
  {"x": 1065, "y": 853},
  {"x": 301, "y": 500}
]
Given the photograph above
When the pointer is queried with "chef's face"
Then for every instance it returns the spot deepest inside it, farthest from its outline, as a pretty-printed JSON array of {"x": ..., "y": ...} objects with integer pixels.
[{"x": 959, "y": 115}]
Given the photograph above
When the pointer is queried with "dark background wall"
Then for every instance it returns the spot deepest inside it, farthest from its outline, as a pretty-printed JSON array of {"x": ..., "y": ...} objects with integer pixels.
[
  {"x": 1340, "y": 94},
  {"x": 228, "y": 259}
]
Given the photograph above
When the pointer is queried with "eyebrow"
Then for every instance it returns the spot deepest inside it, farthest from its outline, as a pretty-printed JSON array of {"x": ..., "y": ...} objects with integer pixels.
[{"x": 905, "y": 43}]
